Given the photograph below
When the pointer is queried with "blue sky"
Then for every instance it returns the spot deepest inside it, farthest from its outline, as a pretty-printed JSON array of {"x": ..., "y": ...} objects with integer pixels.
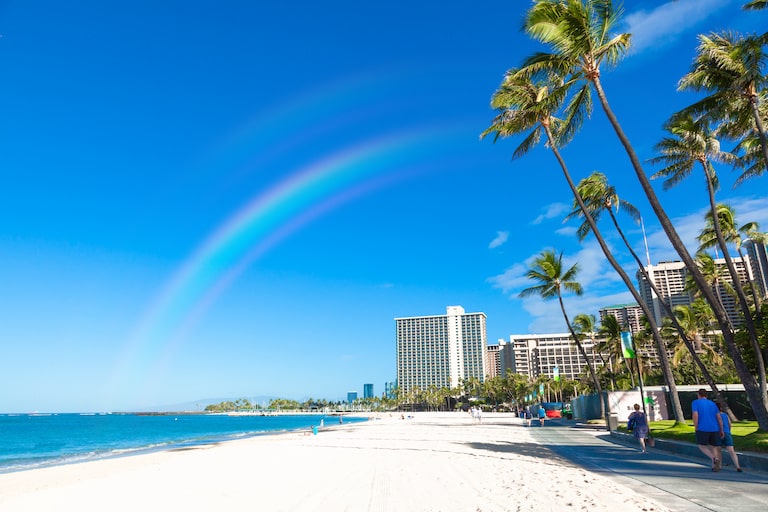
[{"x": 236, "y": 199}]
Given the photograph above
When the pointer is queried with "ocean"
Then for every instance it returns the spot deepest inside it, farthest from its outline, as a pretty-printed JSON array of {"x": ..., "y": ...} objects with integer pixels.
[{"x": 29, "y": 441}]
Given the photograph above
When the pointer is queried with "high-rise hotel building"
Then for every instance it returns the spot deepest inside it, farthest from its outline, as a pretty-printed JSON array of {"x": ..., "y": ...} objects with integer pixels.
[
  {"x": 669, "y": 277},
  {"x": 440, "y": 350}
]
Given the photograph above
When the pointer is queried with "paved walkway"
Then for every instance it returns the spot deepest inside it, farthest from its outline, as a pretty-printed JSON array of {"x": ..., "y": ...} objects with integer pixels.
[{"x": 681, "y": 483}]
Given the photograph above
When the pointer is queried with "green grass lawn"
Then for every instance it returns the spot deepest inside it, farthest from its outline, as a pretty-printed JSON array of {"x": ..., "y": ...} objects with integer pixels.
[{"x": 746, "y": 438}]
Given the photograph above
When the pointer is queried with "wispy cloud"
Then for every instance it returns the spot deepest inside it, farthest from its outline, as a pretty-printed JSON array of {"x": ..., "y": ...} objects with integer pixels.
[
  {"x": 512, "y": 280},
  {"x": 551, "y": 211},
  {"x": 595, "y": 274},
  {"x": 747, "y": 209},
  {"x": 547, "y": 317},
  {"x": 661, "y": 26},
  {"x": 501, "y": 239},
  {"x": 602, "y": 285}
]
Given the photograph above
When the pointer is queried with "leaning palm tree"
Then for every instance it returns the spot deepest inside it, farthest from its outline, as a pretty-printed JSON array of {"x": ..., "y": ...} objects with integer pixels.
[
  {"x": 610, "y": 331},
  {"x": 731, "y": 68},
  {"x": 716, "y": 278},
  {"x": 756, "y": 4},
  {"x": 553, "y": 280},
  {"x": 598, "y": 196},
  {"x": 696, "y": 320},
  {"x": 526, "y": 103},
  {"x": 580, "y": 33},
  {"x": 584, "y": 326},
  {"x": 689, "y": 144},
  {"x": 751, "y": 159},
  {"x": 734, "y": 235}
]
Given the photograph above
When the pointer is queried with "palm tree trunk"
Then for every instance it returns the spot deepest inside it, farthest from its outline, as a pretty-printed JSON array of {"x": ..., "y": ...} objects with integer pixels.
[
  {"x": 671, "y": 314},
  {"x": 677, "y": 408},
  {"x": 753, "y": 289},
  {"x": 604, "y": 409},
  {"x": 757, "y": 400},
  {"x": 737, "y": 286}
]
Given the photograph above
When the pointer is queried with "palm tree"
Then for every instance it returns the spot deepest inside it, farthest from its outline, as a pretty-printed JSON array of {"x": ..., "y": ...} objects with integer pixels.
[
  {"x": 692, "y": 143},
  {"x": 610, "y": 331},
  {"x": 751, "y": 159},
  {"x": 584, "y": 326},
  {"x": 731, "y": 68},
  {"x": 547, "y": 269},
  {"x": 737, "y": 236},
  {"x": 580, "y": 32},
  {"x": 756, "y": 4},
  {"x": 528, "y": 104},
  {"x": 598, "y": 196},
  {"x": 696, "y": 319}
]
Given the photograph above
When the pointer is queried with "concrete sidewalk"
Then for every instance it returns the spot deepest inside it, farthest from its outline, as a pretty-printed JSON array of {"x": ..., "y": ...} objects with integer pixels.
[
  {"x": 679, "y": 480},
  {"x": 747, "y": 460}
]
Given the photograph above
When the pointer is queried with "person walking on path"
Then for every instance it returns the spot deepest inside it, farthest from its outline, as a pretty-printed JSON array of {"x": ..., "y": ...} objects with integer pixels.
[
  {"x": 709, "y": 428},
  {"x": 542, "y": 414},
  {"x": 639, "y": 425},
  {"x": 727, "y": 440}
]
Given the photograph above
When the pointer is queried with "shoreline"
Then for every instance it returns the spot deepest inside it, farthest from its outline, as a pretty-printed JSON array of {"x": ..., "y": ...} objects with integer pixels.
[
  {"x": 96, "y": 453},
  {"x": 431, "y": 462}
]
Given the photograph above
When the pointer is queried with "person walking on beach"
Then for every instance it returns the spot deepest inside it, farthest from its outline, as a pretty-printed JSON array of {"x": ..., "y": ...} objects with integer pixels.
[
  {"x": 727, "y": 440},
  {"x": 528, "y": 417},
  {"x": 639, "y": 425},
  {"x": 542, "y": 414},
  {"x": 709, "y": 428}
]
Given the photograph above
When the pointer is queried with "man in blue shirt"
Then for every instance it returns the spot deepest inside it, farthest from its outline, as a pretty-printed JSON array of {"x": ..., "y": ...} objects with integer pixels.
[{"x": 709, "y": 427}]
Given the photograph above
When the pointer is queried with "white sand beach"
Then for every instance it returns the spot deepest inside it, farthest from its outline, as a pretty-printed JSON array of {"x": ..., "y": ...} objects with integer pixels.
[{"x": 432, "y": 462}]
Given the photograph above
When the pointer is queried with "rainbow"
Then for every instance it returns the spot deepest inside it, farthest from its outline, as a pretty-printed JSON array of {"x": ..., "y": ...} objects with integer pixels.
[
  {"x": 264, "y": 221},
  {"x": 309, "y": 190}
]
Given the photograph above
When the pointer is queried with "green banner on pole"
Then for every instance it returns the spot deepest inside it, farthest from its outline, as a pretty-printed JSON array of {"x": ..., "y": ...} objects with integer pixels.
[
  {"x": 556, "y": 374},
  {"x": 626, "y": 345}
]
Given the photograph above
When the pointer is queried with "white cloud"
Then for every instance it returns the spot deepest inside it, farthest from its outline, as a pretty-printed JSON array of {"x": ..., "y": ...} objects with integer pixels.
[
  {"x": 569, "y": 231},
  {"x": 602, "y": 285},
  {"x": 594, "y": 271},
  {"x": 748, "y": 209},
  {"x": 501, "y": 239},
  {"x": 551, "y": 211},
  {"x": 548, "y": 318},
  {"x": 663, "y": 25},
  {"x": 512, "y": 280}
]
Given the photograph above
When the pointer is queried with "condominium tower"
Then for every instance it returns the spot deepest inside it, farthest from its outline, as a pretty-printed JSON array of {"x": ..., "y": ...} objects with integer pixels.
[
  {"x": 629, "y": 316},
  {"x": 440, "y": 350},
  {"x": 669, "y": 278},
  {"x": 758, "y": 260},
  {"x": 550, "y": 355}
]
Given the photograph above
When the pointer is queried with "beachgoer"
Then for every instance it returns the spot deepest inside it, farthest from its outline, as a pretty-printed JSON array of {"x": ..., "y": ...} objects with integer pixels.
[
  {"x": 727, "y": 440},
  {"x": 528, "y": 417},
  {"x": 709, "y": 428},
  {"x": 542, "y": 414},
  {"x": 640, "y": 428},
  {"x": 479, "y": 414}
]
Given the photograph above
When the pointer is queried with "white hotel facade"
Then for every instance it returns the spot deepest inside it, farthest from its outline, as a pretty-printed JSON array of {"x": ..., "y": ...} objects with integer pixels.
[{"x": 440, "y": 350}]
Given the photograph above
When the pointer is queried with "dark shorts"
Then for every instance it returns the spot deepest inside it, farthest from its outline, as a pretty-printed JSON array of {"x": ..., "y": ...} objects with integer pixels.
[
  {"x": 727, "y": 440},
  {"x": 710, "y": 438}
]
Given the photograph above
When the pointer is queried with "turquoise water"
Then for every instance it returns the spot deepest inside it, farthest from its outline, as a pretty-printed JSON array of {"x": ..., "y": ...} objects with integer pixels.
[{"x": 28, "y": 441}]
